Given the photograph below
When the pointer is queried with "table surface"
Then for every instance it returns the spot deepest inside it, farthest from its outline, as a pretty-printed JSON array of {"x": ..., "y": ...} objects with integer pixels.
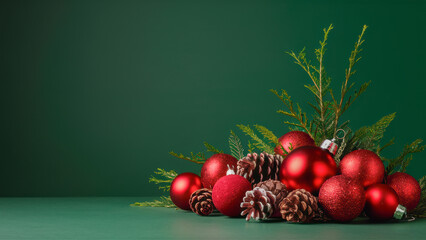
[{"x": 113, "y": 218}]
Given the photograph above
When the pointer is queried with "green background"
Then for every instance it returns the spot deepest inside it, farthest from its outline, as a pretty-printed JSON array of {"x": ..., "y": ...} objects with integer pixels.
[{"x": 95, "y": 93}]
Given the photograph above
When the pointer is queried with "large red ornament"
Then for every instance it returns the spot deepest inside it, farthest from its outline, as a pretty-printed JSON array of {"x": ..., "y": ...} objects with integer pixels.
[
  {"x": 364, "y": 166},
  {"x": 308, "y": 168},
  {"x": 228, "y": 193},
  {"x": 342, "y": 198},
  {"x": 215, "y": 167},
  {"x": 407, "y": 188},
  {"x": 182, "y": 187},
  {"x": 292, "y": 140},
  {"x": 381, "y": 202}
]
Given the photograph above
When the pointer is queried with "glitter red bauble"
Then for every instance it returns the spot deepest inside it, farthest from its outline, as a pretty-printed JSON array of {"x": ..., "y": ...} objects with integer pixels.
[
  {"x": 228, "y": 193},
  {"x": 407, "y": 188},
  {"x": 342, "y": 198},
  {"x": 293, "y": 140},
  {"x": 381, "y": 202},
  {"x": 215, "y": 167},
  {"x": 364, "y": 166},
  {"x": 308, "y": 168},
  {"x": 182, "y": 187}
]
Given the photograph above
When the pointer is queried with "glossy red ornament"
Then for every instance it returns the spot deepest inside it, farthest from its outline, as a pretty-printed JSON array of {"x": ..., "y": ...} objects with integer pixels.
[
  {"x": 407, "y": 188},
  {"x": 381, "y": 201},
  {"x": 216, "y": 167},
  {"x": 182, "y": 187},
  {"x": 228, "y": 193},
  {"x": 342, "y": 198},
  {"x": 307, "y": 167},
  {"x": 364, "y": 166},
  {"x": 292, "y": 140}
]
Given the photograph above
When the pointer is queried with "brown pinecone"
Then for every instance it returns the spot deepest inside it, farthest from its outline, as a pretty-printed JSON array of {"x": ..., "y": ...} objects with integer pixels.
[
  {"x": 201, "y": 202},
  {"x": 321, "y": 216},
  {"x": 258, "y": 204},
  {"x": 299, "y": 206},
  {"x": 278, "y": 189},
  {"x": 259, "y": 167}
]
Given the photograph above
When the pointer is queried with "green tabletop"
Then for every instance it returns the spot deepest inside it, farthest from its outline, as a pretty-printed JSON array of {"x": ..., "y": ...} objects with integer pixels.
[{"x": 113, "y": 218}]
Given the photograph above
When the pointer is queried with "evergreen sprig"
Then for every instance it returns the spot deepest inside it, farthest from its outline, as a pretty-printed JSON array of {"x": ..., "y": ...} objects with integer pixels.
[
  {"x": 162, "y": 202},
  {"x": 258, "y": 142},
  {"x": 212, "y": 149},
  {"x": 199, "y": 158},
  {"x": 400, "y": 163},
  {"x": 235, "y": 146},
  {"x": 164, "y": 179},
  {"x": 420, "y": 210},
  {"x": 369, "y": 137}
]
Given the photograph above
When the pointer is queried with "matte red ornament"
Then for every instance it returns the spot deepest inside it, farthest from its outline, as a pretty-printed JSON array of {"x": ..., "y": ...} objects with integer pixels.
[
  {"x": 182, "y": 187},
  {"x": 342, "y": 198},
  {"x": 407, "y": 188},
  {"x": 381, "y": 201},
  {"x": 292, "y": 140},
  {"x": 307, "y": 167},
  {"x": 216, "y": 167},
  {"x": 228, "y": 193},
  {"x": 364, "y": 166}
]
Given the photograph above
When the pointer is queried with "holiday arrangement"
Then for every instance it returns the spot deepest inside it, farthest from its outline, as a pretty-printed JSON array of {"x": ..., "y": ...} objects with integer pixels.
[{"x": 319, "y": 171}]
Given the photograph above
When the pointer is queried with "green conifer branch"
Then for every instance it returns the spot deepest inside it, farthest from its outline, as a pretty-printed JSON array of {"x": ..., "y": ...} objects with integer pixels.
[
  {"x": 162, "y": 202},
  {"x": 194, "y": 157},
  {"x": 296, "y": 113},
  {"x": 420, "y": 210},
  {"x": 268, "y": 134},
  {"x": 340, "y": 106},
  {"x": 235, "y": 146},
  {"x": 258, "y": 142},
  {"x": 400, "y": 163},
  {"x": 212, "y": 149},
  {"x": 166, "y": 177}
]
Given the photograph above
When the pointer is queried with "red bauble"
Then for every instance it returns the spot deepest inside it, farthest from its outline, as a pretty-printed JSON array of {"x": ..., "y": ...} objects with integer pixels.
[
  {"x": 381, "y": 201},
  {"x": 342, "y": 198},
  {"x": 407, "y": 188},
  {"x": 182, "y": 187},
  {"x": 308, "y": 168},
  {"x": 228, "y": 193},
  {"x": 215, "y": 167},
  {"x": 364, "y": 166},
  {"x": 293, "y": 139}
]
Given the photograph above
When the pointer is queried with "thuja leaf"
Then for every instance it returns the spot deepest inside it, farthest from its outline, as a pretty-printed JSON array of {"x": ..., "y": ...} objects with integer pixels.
[
  {"x": 212, "y": 149},
  {"x": 162, "y": 202},
  {"x": 420, "y": 210},
  {"x": 258, "y": 142},
  {"x": 194, "y": 157},
  {"x": 235, "y": 146}
]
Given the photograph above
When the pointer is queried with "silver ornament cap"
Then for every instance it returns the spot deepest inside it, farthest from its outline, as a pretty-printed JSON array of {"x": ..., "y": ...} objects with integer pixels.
[
  {"x": 400, "y": 212},
  {"x": 330, "y": 146}
]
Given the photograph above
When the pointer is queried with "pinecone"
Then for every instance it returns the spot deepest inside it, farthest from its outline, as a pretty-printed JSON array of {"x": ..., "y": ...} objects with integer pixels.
[
  {"x": 258, "y": 204},
  {"x": 321, "y": 216},
  {"x": 278, "y": 189},
  {"x": 299, "y": 206},
  {"x": 259, "y": 167},
  {"x": 201, "y": 202}
]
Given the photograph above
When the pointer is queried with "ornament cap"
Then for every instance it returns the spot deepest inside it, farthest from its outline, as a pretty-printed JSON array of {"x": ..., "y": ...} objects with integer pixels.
[
  {"x": 330, "y": 146},
  {"x": 400, "y": 212}
]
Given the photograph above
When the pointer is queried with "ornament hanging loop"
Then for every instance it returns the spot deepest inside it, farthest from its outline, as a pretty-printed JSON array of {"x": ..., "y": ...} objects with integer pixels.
[{"x": 338, "y": 134}]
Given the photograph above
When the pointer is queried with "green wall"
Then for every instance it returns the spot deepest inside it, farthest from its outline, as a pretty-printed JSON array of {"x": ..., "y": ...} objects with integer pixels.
[{"x": 95, "y": 93}]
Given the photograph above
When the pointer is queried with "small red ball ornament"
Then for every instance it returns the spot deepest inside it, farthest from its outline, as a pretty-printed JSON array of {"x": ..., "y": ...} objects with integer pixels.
[
  {"x": 228, "y": 193},
  {"x": 382, "y": 203},
  {"x": 307, "y": 167},
  {"x": 182, "y": 187},
  {"x": 342, "y": 198},
  {"x": 364, "y": 166},
  {"x": 407, "y": 188},
  {"x": 216, "y": 167},
  {"x": 292, "y": 140}
]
